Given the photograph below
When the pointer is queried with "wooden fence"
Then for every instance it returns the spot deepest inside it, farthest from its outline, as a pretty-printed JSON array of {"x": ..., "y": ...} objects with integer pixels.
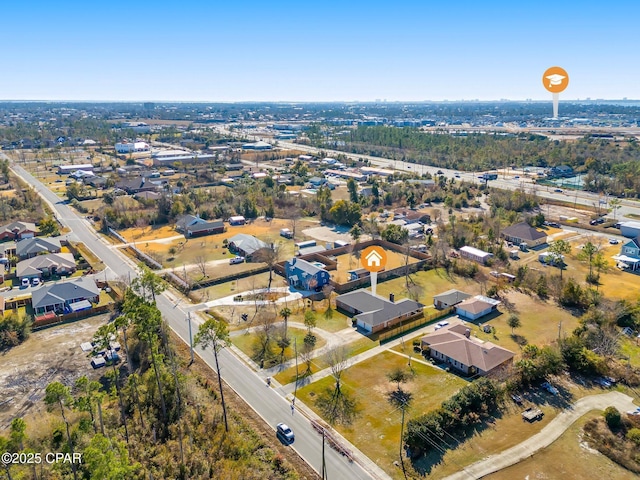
[{"x": 414, "y": 324}]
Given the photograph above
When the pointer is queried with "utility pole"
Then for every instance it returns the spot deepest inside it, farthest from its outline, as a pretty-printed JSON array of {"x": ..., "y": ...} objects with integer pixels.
[
  {"x": 295, "y": 350},
  {"x": 324, "y": 464}
]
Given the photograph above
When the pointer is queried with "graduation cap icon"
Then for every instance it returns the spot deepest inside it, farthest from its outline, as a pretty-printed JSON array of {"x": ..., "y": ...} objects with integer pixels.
[{"x": 555, "y": 79}]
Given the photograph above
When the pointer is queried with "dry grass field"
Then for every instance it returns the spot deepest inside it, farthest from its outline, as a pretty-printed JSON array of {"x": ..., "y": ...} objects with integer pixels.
[
  {"x": 567, "y": 458},
  {"x": 376, "y": 429},
  {"x": 348, "y": 262}
]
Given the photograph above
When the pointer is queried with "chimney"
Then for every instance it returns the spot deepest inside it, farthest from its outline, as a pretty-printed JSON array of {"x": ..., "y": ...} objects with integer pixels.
[
  {"x": 467, "y": 333},
  {"x": 392, "y": 298}
]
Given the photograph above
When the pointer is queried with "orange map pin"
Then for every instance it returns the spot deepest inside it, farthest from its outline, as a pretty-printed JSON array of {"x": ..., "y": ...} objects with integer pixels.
[{"x": 555, "y": 79}]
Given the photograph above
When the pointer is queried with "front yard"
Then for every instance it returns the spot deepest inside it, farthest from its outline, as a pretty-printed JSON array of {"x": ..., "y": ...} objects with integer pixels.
[{"x": 376, "y": 429}]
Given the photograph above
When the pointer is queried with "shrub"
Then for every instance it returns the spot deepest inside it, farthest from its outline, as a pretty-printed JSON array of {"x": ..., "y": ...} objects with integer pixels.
[
  {"x": 634, "y": 435},
  {"x": 612, "y": 417}
]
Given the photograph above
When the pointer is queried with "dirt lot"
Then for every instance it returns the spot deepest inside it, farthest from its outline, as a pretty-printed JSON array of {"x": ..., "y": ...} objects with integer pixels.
[
  {"x": 348, "y": 262},
  {"x": 49, "y": 355}
]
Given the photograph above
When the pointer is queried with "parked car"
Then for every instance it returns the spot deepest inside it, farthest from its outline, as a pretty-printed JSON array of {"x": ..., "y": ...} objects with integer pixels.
[
  {"x": 35, "y": 281},
  {"x": 614, "y": 241},
  {"x": 517, "y": 399},
  {"x": 550, "y": 388},
  {"x": 285, "y": 432},
  {"x": 558, "y": 190},
  {"x": 439, "y": 172},
  {"x": 24, "y": 283},
  {"x": 235, "y": 260},
  {"x": 441, "y": 324}
]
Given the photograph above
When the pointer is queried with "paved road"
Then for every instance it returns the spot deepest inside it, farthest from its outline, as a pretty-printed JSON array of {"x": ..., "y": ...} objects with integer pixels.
[
  {"x": 506, "y": 181},
  {"x": 267, "y": 402},
  {"x": 546, "y": 436}
]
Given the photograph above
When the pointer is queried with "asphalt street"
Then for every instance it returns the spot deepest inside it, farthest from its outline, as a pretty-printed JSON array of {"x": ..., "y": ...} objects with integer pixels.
[{"x": 267, "y": 402}]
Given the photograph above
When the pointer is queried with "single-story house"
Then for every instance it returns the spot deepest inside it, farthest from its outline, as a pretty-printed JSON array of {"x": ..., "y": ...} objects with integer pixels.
[
  {"x": 629, "y": 254},
  {"x": 477, "y": 307},
  {"x": 18, "y": 231},
  {"x": 454, "y": 346},
  {"x": 374, "y": 313},
  {"x": 60, "y": 297},
  {"x": 475, "y": 254},
  {"x": 194, "y": 226},
  {"x": 237, "y": 220},
  {"x": 150, "y": 196},
  {"x": 30, "y": 247},
  {"x": 306, "y": 275},
  {"x": 449, "y": 298},
  {"x": 246, "y": 245},
  {"x": 46, "y": 265},
  {"x": 137, "y": 184},
  {"x": 524, "y": 233}
]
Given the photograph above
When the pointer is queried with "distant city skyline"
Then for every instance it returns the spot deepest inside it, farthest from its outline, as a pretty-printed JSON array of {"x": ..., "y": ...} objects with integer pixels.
[{"x": 302, "y": 52}]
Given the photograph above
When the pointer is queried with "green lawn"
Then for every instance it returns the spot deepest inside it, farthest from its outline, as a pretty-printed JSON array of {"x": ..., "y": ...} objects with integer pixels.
[
  {"x": 629, "y": 348},
  {"x": 432, "y": 282},
  {"x": 246, "y": 342},
  {"x": 376, "y": 429},
  {"x": 540, "y": 320},
  {"x": 318, "y": 363}
]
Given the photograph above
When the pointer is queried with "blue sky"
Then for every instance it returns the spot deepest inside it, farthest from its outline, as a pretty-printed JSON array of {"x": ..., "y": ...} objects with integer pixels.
[{"x": 316, "y": 51}]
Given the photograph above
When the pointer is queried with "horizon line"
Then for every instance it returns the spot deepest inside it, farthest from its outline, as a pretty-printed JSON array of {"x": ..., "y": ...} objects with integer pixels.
[{"x": 378, "y": 101}]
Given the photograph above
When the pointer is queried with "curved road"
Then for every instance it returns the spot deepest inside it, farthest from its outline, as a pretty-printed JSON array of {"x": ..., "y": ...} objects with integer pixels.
[
  {"x": 267, "y": 402},
  {"x": 546, "y": 436}
]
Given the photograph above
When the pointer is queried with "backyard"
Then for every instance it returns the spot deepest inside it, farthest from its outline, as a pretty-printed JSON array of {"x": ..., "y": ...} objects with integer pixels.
[{"x": 348, "y": 262}]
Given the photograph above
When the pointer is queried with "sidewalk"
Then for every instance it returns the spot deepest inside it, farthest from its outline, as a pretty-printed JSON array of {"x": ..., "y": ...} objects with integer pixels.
[{"x": 372, "y": 352}]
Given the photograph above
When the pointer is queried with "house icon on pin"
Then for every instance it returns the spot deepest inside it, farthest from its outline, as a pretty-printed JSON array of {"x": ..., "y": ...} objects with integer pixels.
[{"x": 373, "y": 259}]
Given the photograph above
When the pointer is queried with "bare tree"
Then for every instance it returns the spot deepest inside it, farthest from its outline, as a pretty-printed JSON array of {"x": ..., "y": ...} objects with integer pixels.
[
  {"x": 270, "y": 256},
  {"x": 338, "y": 360},
  {"x": 201, "y": 262}
]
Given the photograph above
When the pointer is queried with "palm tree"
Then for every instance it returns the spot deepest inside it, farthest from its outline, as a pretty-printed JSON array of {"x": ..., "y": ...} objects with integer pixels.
[{"x": 285, "y": 313}]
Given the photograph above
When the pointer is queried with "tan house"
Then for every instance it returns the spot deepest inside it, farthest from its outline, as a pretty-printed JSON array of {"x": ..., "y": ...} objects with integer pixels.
[
  {"x": 524, "y": 233},
  {"x": 454, "y": 346}
]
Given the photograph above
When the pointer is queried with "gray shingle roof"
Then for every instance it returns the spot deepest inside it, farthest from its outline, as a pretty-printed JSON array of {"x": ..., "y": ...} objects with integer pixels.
[
  {"x": 375, "y": 309},
  {"x": 63, "y": 292},
  {"x": 305, "y": 266},
  {"x": 35, "y": 245},
  {"x": 523, "y": 231},
  {"x": 247, "y": 243},
  {"x": 34, "y": 265},
  {"x": 451, "y": 297}
]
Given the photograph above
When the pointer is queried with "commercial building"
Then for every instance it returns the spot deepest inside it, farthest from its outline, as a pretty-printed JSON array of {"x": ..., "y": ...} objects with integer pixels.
[{"x": 475, "y": 254}]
